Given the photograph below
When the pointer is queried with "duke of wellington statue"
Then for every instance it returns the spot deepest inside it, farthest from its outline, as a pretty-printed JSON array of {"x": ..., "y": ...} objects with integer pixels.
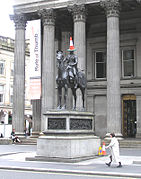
[{"x": 69, "y": 134}]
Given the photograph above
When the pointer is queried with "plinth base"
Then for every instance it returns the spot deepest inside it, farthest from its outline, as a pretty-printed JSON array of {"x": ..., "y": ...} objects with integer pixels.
[
  {"x": 67, "y": 148},
  {"x": 68, "y": 136},
  {"x": 57, "y": 159}
]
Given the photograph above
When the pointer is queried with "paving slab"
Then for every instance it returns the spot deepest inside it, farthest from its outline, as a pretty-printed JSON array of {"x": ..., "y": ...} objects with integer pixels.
[{"x": 16, "y": 161}]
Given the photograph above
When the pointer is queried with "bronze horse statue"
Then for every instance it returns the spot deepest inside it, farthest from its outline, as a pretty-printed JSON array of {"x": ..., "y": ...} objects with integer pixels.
[{"x": 65, "y": 80}]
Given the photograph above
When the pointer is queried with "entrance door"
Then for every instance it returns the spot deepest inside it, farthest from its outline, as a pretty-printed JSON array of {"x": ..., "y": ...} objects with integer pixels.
[{"x": 129, "y": 116}]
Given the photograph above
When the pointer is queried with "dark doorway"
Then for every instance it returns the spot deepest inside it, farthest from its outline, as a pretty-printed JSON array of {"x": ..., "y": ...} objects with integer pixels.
[{"x": 129, "y": 116}]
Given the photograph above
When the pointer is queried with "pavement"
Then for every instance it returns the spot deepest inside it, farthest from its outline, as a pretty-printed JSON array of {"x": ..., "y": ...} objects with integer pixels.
[{"x": 13, "y": 157}]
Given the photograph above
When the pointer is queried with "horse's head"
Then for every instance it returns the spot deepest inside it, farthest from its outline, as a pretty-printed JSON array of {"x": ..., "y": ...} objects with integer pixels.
[
  {"x": 59, "y": 56},
  {"x": 60, "y": 65}
]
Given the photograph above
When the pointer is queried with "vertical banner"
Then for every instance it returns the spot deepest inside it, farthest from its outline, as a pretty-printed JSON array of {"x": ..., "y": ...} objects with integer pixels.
[{"x": 35, "y": 60}]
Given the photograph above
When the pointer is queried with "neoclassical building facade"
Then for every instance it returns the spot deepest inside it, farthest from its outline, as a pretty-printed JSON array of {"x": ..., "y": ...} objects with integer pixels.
[{"x": 107, "y": 38}]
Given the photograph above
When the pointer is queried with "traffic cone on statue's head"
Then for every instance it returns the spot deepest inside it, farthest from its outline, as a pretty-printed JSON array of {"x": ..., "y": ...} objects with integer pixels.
[
  {"x": 100, "y": 151},
  {"x": 71, "y": 45},
  {"x": 103, "y": 149}
]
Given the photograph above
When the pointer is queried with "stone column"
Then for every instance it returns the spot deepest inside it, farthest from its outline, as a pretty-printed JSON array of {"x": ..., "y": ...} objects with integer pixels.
[
  {"x": 138, "y": 112},
  {"x": 79, "y": 19},
  {"x": 48, "y": 62},
  {"x": 19, "y": 74},
  {"x": 113, "y": 67}
]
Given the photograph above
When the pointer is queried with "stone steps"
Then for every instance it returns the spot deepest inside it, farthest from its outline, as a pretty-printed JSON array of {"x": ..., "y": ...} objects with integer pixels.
[
  {"x": 5, "y": 141},
  {"x": 126, "y": 143},
  {"x": 29, "y": 141}
]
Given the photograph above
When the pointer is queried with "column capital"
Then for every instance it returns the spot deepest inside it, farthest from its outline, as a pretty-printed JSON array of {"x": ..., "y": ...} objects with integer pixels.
[
  {"x": 111, "y": 7},
  {"x": 47, "y": 16},
  {"x": 79, "y": 12},
  {"x": 19, "y": 20}
]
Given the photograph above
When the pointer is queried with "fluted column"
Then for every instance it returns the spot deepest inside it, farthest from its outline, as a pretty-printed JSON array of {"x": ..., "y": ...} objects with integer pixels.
[
  {"x": 48, "y": 66},
  {"x": 113, "y": 67},
  {"x": 19, "y": 74},
  {"x": 79, "y": 19}
]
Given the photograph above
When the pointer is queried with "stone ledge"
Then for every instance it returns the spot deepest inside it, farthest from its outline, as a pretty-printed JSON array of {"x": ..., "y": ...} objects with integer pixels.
[
  {"x": 5, "y": 141},
  {"x": 57, "y": 159},
  {"x": 68, "y": 113},
  {"x": 137, "y": 162}
]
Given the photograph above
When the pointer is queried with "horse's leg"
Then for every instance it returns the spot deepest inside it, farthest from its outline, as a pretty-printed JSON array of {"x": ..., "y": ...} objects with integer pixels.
[
  {"x": 65, "y": 97},
  {"x": 59, "y": 97},
  {"x": 75, "y": 98},
  {"x": 83, "y": 97}
]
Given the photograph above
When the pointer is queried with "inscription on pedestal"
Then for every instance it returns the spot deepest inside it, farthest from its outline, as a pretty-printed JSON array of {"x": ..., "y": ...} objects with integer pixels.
[
  {"x": 80, "y": 124},
  {"x": 56, "y": 124}
]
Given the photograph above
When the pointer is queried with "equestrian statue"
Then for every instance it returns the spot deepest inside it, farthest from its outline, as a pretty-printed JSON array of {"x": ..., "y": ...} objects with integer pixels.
[{"x": 69, "y": 77}]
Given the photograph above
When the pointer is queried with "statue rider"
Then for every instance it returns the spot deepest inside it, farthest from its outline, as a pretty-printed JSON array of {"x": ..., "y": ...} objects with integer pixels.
[{"x": 72, "y": 61}]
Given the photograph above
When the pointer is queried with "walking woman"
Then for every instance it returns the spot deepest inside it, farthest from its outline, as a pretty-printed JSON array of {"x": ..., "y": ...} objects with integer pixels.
[{"x": 114, "y": 149}]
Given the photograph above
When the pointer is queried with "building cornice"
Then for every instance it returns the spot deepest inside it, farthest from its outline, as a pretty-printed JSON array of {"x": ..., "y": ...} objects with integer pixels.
[
  {"x": 30, "y": 7},
  {"x": 8, "y": 44}
]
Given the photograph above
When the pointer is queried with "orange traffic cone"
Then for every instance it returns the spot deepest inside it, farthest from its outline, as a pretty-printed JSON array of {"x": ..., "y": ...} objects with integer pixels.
[
  {"x": 103, "y": 149},
  {"x": 71, "y": 45},
  {"x": 100, "y": 151}
]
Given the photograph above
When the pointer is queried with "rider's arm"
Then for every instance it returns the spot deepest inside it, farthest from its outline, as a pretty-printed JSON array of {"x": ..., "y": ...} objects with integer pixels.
[
  {"x": 76, "y": 60},
  {"x": 65, "y": 59}
]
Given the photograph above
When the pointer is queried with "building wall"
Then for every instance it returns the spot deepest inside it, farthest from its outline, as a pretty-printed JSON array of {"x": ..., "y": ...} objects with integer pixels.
[{"x": 97, "y": 88}]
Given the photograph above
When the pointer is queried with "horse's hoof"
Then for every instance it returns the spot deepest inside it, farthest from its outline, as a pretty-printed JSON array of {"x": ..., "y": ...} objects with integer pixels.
[
  {"x": 63, "y": 108},
  {"x": 59, "y": 107},
  {"x": 74, "y": 109},
  {"x": 83, "y": 109}
]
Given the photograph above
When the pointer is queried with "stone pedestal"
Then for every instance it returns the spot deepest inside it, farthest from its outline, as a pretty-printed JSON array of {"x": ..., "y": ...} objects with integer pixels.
[
  {"x": 67, "y": 148},
  {"x": 69, "y": 137}
]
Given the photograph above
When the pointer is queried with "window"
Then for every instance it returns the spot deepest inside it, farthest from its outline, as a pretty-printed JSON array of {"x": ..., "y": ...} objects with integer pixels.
[
  {"x": 128, "y": 63},
  {"x": 1, "y": 93},
  {"x": 100, "y": 64},
  {"x": 1, "y": 68}
]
